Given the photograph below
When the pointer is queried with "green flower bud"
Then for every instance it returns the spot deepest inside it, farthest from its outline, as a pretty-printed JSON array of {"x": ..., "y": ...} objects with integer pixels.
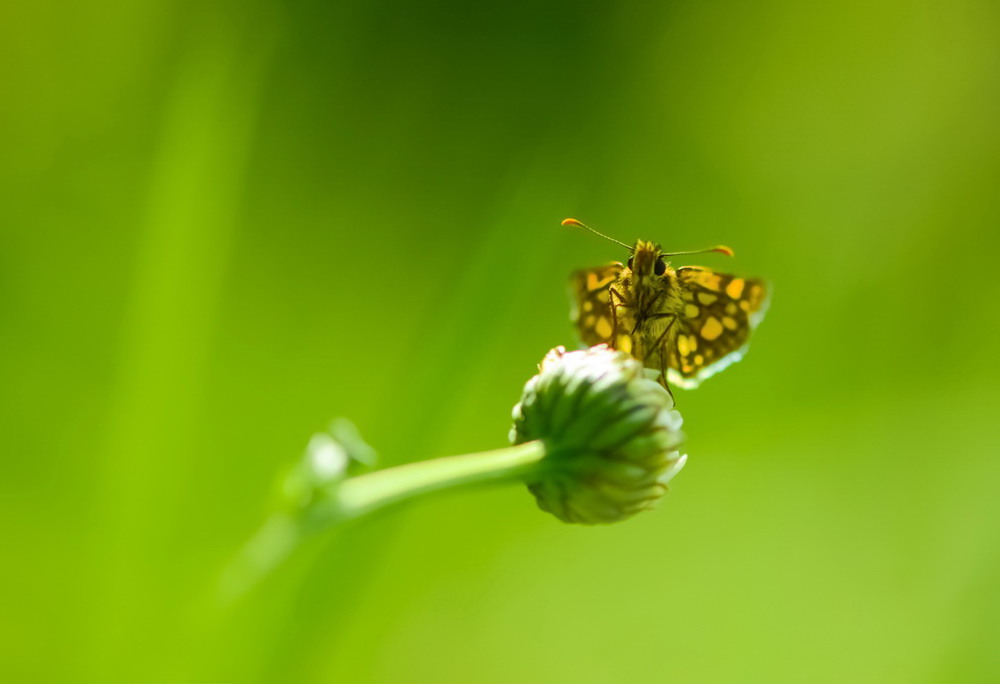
[{"x": 610, "y": 433}]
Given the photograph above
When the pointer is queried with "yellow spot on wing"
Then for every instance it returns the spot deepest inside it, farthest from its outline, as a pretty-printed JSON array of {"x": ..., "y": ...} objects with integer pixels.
[
  {"x": 588, "y": 305},
  {"x": 595, "y": 283},
  {"x": 691, "y": 311},
  {"x": 709, "y": 280},
  {"x": 603, "y": 328},
  {"x": 625, "y": 344},
  {"x": 731, "y": 308},
  {"x": 735, "y": 288},
  {"x": 729, "y": 322},
  {"x": 706, "y": 298},
  {"x": 712, "y": 328},
  {"x": 699, "y": 359},
  {"x": 693, "y": 342}
]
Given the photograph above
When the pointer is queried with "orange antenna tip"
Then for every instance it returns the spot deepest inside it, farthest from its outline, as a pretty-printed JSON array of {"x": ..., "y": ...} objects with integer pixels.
[
  {"x": 580, "y": 224},
  {"x": 721, "y": 249}
]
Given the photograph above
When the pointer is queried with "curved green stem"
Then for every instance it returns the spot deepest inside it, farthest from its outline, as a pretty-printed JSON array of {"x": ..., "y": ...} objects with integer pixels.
[
  {"x": 360, "y": 495},
  {"x": 342, "y": 500}
]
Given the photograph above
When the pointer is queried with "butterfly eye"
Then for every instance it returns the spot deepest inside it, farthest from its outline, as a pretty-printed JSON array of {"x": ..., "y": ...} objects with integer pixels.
[
  {"x": 660, "y": 268},
  {"x": 630, "y": 262}
]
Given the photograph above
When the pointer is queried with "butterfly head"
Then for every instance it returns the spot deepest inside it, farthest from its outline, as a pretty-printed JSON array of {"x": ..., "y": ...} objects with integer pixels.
[
  {"x": 647, "y": 261},
  {"x": 650, "y": 273}
]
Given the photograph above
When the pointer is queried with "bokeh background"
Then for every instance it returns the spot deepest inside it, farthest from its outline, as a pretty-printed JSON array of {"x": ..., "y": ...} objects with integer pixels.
[{"x": 223, "y": 224}]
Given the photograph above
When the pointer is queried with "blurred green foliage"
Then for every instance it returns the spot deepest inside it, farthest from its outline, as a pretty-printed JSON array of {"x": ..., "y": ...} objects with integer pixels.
[{"x": 223, "y": 224}]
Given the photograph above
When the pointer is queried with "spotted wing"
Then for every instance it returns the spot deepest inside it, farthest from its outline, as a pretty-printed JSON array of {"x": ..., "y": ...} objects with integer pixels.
[
  {"x": 720, "y": 311},
  {"x": 590, "y": 308}
]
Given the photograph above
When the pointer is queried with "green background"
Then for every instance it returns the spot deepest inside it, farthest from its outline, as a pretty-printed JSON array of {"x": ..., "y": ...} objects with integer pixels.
[{"x": 224, "y": 224}]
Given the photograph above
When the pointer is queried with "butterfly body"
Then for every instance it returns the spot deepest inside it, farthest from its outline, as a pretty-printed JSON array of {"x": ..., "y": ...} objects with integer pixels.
[
  {"x": 686, "y": 323},
  {"x": 645, "y": 305}
]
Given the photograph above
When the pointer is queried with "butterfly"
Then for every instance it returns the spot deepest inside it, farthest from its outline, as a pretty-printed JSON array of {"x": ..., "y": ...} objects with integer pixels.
[{"x": 686, "y": 323}]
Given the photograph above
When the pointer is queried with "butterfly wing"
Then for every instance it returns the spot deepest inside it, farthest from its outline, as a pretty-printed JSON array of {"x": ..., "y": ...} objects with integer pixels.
[
  {"x": 720, "y": 311},
  {"x": 591, "y": 303}
]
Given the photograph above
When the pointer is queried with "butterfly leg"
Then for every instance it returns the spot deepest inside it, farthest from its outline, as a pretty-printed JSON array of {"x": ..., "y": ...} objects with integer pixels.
[
  {"x": 646, "y": 307},
  {"x": 663, "y": 382},
  {"x": 612, "y": 295},
  {"x": 663, "y": 353}
]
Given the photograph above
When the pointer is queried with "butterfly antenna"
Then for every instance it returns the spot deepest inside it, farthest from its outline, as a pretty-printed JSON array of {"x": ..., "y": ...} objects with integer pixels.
[
  {"x": 721, "y": 249},
  {"x": 580, "y": 224}
]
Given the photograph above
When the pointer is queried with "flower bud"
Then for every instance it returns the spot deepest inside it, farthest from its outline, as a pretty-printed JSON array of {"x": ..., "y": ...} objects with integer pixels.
[{"x": 610, "y": 432}]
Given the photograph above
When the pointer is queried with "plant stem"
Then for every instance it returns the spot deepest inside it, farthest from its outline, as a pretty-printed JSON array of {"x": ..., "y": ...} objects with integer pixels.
[
  {"x": 356, "y": 496},
  {"x": 365, "y": 493}
]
